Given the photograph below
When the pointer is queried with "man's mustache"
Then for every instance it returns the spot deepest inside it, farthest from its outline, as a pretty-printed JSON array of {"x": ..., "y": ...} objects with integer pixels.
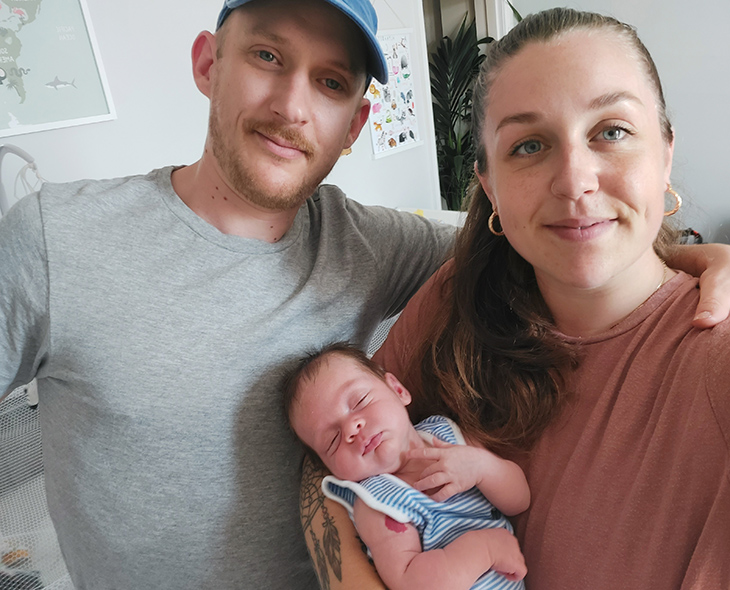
[{"x": 289, "y": 137}]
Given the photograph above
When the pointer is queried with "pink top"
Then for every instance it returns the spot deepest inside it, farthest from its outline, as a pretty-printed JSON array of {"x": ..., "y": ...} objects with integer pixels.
[{"x": 631, "y": 485}]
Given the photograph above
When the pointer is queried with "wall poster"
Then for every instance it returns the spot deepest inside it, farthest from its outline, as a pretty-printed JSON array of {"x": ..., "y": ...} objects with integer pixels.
[
  {"x": 393, "y": 117},
  {"x": 50, "y": 72}
]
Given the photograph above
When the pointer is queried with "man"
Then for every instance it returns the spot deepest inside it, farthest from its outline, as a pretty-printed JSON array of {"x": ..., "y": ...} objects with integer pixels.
[{"x": 158, "y": 312}]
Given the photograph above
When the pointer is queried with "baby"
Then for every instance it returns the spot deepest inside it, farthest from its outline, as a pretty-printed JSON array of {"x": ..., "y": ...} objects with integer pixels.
[{"x": 428, "y": 505}]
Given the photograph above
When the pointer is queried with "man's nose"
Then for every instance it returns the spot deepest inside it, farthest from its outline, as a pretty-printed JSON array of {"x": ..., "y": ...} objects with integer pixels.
[{"x": 292, "y": 97}]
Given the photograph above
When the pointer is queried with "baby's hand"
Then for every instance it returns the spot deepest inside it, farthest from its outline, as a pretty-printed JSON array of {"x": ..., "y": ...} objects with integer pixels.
[
  {"x": 452, "y": 471},
  {"x": 507, "y": 559}
]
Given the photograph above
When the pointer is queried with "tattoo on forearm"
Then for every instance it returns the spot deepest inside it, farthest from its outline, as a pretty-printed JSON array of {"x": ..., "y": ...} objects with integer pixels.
[{"x": 311, "y": 500}]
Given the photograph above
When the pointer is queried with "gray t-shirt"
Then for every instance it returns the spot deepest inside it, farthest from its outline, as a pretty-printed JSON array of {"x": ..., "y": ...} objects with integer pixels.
[{"x": 159, "y": 344}]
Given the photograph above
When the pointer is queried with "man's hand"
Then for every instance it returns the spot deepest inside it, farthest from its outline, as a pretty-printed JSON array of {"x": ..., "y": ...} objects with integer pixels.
[{"x": 711, "y": 263}]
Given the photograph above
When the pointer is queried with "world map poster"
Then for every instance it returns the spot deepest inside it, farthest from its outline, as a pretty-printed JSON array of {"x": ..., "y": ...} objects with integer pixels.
[{"x": 50, "y": 73}]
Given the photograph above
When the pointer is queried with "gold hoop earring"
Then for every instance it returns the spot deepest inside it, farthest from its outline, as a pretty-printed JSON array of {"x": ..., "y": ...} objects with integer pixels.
[
  {"x": 677, "y": 198},
  {"x": 490, "y": 223}
]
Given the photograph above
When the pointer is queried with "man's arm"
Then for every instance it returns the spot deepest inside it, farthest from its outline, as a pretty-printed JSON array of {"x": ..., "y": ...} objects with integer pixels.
[
  {"x": 339, "y": 556},
  {"x": 23, "y": 295},
  {"x": 711, "y": 263}
]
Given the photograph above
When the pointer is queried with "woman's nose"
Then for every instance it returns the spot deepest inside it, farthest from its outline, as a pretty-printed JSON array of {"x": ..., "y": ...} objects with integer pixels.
[{"x": 576, "y": 172}]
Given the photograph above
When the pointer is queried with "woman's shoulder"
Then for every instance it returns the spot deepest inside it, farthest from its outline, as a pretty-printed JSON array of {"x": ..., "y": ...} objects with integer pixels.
[
  {"x": 397, "y": 350},
  {"x": 706, "y": 351},
  {"x": 432, "y": 295}
]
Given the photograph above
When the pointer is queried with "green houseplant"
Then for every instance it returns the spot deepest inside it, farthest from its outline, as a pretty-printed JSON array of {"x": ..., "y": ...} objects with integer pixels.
[{"x": 453, "y": 66}]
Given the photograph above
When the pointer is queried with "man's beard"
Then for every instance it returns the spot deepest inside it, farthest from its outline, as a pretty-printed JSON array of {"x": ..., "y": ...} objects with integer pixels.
[{"x": 247, "y": 184}]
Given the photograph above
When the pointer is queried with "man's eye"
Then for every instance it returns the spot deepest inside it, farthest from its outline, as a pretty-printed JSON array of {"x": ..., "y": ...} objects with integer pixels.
[
  {"x": 332, "y": 84},
  {"x": 267, "y": 56}
]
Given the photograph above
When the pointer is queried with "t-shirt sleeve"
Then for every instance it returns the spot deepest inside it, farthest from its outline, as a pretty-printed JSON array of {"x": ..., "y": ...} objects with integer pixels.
[
  {"x": 23, "y": 294},
  {"x": 407, "y": 248}
]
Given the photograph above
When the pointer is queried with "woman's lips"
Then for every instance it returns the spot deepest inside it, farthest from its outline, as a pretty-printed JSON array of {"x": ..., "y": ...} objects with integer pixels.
[{"x": 581, "y": 230}]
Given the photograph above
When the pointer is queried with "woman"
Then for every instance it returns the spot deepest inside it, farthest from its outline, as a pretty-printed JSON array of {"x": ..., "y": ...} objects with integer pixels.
[{"x": 560, "y": 335}]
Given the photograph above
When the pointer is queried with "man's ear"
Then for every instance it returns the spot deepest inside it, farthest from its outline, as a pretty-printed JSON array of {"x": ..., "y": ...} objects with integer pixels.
[
  {"x": 399, "y": 389},
  {"x": 357, "y": 123},
  {"x": 204, "y": 56}
]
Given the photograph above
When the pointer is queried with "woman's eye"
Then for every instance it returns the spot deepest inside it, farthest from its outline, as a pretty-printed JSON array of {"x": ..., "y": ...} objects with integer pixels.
[
  {"x": 267, "y": 56},
  {"x": 613, "y": 134},
  {"x": 527, "y": 148}
]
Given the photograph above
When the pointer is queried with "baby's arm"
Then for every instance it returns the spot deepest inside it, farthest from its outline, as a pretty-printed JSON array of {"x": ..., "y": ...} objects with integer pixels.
[
  {"x": 401, "y": 562},
  {"x": 457, "y": 468}
]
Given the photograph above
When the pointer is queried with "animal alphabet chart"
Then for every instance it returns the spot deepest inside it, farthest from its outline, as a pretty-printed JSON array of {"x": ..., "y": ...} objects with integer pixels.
[{"x": 393, "y": 117}]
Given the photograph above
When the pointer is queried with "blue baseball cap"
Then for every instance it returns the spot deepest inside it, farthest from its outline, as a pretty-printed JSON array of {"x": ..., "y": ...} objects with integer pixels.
[{"x": 361, "y": 12}]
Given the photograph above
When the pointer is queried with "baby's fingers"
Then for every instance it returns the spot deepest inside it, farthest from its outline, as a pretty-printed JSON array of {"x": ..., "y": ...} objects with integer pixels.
[
  {"x": 429, "y": 453},
  {"x": 429, "y": 481},
  {"x": 444, "y": 493}
]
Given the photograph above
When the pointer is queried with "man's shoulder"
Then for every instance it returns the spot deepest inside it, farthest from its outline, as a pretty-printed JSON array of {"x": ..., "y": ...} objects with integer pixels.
[
  {"x": 331, "y": 208},
  {"x": 154, "y": 180},
  {"x": 330, "y": 199}
]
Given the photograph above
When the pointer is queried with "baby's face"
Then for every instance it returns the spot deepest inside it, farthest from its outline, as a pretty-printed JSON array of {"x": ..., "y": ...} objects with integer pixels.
[{"x": 356, "y": 422}]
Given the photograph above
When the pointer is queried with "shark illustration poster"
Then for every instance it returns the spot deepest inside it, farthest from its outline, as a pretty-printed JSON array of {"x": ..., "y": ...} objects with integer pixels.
[
  {"x": 393, "y": 118},
  {"x": 50, "y": 72}
]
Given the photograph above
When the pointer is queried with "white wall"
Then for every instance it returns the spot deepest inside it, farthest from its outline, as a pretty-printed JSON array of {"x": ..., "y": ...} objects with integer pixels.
[
  {"x": 407, "y": 179},
  {"x": 162, "y": 117},
  {"x": 690, "y": 44}
]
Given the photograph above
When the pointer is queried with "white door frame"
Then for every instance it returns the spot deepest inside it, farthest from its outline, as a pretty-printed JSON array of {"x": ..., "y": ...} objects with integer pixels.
[{"x": 493, "y": 17}]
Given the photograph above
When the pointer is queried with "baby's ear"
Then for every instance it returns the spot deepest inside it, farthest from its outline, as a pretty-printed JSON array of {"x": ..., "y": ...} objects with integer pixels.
[{"x": 399, "y": 389}]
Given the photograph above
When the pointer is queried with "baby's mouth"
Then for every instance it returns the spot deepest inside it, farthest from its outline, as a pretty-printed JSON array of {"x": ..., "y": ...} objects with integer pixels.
[{"x": 372, "y": 443}]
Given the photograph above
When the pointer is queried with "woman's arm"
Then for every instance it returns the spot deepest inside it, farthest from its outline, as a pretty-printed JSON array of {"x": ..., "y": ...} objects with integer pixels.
[
  {"x": 711, "y": 263},
  {"x": 338, "y": 555}
]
